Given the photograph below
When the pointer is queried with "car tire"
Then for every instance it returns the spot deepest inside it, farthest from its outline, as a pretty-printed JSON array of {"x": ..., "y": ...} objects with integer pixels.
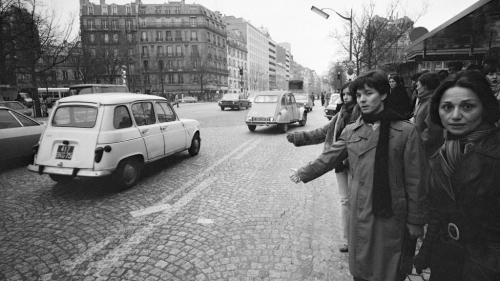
[
  {"x": 127, "y": 173},
  {"x": 222, "y": 108},
  {"x": 304, "y": 120},
  {"x": 61, "y": 178},
  {"x": 252, "y": 128},
  {"x": 283, "y": 127},
  {"x": 194, "y": 149}
]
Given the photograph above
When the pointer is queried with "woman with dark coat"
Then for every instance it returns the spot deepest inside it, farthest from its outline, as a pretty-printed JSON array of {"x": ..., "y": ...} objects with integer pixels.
[
  {"x": 328, "y": 134},
  {"x": 398, "y": 98},
  {"x": 386, "y": 187},
  {"x": 463, "y": 236}
]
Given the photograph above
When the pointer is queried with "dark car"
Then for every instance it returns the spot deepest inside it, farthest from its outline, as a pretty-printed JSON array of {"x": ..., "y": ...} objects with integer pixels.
[
  {"x": 233, "y": 101},
  {"x": 18, "y": 135}
]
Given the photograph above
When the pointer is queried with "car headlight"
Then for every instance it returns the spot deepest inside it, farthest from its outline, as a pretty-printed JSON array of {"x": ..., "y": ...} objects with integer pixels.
[
  {"x": 249, "y": 118},
  {"x": 271, "y": 119}
]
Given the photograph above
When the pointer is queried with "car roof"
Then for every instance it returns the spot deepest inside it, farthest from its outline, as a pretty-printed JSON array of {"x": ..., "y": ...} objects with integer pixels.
[
  {"x": 110, "y": 98},
  {"x": 270, "y": 93}
]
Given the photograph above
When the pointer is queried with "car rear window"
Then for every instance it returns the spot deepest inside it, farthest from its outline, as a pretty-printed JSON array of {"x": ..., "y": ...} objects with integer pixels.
[
  {"x": 266, "y": 98},
  {"x": 231, "y": 96},
  {"x": 78, "y": 116}
]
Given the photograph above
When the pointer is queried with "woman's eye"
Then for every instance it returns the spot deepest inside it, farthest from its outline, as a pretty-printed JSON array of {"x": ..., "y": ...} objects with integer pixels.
[
  {"x": 446, "y": 107},
  {"x": 467, "y": 106}
]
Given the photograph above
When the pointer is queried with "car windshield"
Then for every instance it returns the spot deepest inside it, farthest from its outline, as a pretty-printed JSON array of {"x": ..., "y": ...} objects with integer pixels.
[
  {"x": 230, "y": 97},
  {"x": 266, "y": 99},
  {"x": 300, "y": 97},
  {"x": 78, "y": 116},
  {"x": 334, "y": 99},
  {"x": 13, "y": 105}
]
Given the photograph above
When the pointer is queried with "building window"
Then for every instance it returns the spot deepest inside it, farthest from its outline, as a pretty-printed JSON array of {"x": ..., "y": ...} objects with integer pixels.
[
  {"x": 115, "y": 53},
  {"x": 145, "y": 64},
  {"x": 145, "y": 51},
  {"x": 159, "y": 51},
  {"x": 128, "y": 9},
  {"x": 104, "y": 10},
  {"x": 92, "y": 52},
  {"x": 194, "y": 35},
  {"x": 104, "y": 24},
  {"x": 90, "y": 9},
  {"x": 130, "y": 37},
  {"x": 65, "y": 75},
  {"x": 115, "y": 38},
  {"x": 178, "y": 35},
  {"x": 92, "y": 38},
  {"x": 178, "y": 51},
  {"x": 129, "y": 24},
  {"x": 160, "y": 65},
  {"x": 144, "y": 36},
  {"x": 169, "y": 51},
  {"x": 106, "y": 38},
  {"x": 170, "y": 78},
  {"x": 114, "y": 9},
  {"x": 168, "y": 35},
  {"x": 159, "y": 36},
  {"x": 130, "y": 52},
  {"x": 192, "y": 21},
  {"x": 90, "y": 24},
  {"x": 181, "y": 78},
  {"x": 114, "y": 24},
  {"x": 194, "y": 51}
]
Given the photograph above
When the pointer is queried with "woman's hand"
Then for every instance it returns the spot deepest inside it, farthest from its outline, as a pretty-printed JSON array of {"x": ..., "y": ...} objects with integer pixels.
[{"x": 294, "y": 176}]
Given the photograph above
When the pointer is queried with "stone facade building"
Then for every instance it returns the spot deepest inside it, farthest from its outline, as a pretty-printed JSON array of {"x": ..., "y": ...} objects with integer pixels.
[{"x": 237, "y": 61}]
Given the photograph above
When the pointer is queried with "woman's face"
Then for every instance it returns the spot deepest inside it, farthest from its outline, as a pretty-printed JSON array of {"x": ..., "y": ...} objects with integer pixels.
[
  {"x": 392, "y": 83},
  {"x": 347, "y": 97},
  {"x": 492, "y": 77},
  {"x": 370, "y": 100},
  {"x": 420, "y": 88},
  {"x": 460, "y": 110}
]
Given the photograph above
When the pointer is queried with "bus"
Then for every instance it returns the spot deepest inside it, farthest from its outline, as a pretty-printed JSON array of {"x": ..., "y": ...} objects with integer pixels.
[
  {"x": 52, "y": 95},
  {"x": 82, "y": 89}
]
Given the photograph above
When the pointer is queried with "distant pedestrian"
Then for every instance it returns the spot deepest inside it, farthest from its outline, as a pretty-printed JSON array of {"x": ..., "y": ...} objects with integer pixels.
[
  {"x": 385, "y": 157},
  {"x": 398, "y": 99},
  {"x": 462, "y": 242},
  {"x": 43, "y": 107},
  {"x": 329, "y": 134},
  {"x": 322, "y": 98}
]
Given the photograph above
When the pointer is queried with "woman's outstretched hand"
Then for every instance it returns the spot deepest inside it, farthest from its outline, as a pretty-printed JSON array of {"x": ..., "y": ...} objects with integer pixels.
[{"x": 294, "y": 176}]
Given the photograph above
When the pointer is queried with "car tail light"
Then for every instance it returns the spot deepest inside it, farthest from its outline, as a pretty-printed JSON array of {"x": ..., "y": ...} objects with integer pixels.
[{"x": 98, "y": 154}]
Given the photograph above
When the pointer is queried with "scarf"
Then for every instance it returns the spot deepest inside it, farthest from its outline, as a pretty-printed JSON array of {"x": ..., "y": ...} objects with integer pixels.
[
  {"x": 343, "y": 118},
  {"x": 455, "y": 147},
  {"x": 381, "y": 199}
]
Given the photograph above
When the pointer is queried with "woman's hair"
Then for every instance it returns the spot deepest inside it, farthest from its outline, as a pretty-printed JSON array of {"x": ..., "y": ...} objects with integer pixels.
[
  {"x": 429, "y": 80},
  {"x": 351, "y": 93},
  {"x": 477, "y": 83},
  {"x": 374, "y": 79}
]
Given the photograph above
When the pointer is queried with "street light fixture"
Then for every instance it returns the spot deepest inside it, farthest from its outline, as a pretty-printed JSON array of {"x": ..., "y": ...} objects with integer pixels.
[{"x": 326, "y": 16}]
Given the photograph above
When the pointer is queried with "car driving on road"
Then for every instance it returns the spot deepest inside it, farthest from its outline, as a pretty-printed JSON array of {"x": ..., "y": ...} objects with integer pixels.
[
  {"x": 97, "y": 135},
  {"x": 275, "y": 108},
  {"x": 234, "y": 101}
]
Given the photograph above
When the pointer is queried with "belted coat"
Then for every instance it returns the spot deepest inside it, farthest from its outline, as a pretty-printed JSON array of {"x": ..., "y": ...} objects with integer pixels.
[
  {"x": 465, "y": 206},
  {"x": 375, "y": 244}
]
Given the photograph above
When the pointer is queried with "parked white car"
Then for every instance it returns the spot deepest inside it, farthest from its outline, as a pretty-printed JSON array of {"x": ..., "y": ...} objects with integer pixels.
[{"x": 111, "y": 134}]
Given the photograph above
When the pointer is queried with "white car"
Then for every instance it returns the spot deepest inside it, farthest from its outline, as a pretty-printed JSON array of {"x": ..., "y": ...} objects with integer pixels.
[{"x": 111, "y": 134}]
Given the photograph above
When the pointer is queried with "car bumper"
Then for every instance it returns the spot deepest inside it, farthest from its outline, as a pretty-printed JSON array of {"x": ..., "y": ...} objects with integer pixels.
[
  {"x": 261, "y": 123},
  {"x": 68, "y": 171}
]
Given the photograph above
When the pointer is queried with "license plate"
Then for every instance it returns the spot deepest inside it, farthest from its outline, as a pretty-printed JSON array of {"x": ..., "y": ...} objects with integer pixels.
[{"x": 65, "y": 152}]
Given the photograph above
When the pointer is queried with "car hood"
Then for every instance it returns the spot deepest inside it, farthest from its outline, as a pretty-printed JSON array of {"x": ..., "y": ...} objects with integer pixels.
[{"x": 263, "y": 109}]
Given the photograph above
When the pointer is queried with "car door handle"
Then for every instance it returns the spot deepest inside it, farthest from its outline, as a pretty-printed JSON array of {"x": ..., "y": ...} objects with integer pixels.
[{"x": 145, "y": 131}]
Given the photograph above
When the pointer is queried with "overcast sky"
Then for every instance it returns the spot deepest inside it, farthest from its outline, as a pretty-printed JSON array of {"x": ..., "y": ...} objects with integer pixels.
[{"x": 311, "y": 36}]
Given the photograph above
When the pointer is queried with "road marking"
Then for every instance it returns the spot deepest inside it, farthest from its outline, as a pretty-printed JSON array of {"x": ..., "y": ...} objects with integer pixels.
[
  {"x": 248, "y": 149},
  {"x": 205, "y": 221},
  {"x": 111, "y": 259},
  {"x": 150, "y": 210},
  {"x": 87, "y": 255}
]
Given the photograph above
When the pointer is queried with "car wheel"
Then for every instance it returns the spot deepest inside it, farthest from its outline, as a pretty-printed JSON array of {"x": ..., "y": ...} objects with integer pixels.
[
  {"x": 252, "y": 128},
  {"x": 128, "y": 173},
  {"x": 222, "y": 108},
  {"x": 304, "y": 120},
  {"x": 194, "y": 149},
  {"x": 283, "y": 127},
  {"x": 61, "y": 178}
]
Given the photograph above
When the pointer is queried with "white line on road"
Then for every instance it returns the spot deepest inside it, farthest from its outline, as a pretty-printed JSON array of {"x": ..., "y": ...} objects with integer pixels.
[
  {"x": 248, "y": 149},
  {"x": 138, "y": 237}
]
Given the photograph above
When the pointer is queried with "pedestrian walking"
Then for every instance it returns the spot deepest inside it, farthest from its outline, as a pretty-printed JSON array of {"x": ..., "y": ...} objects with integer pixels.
[
  {"x": 384, "y": 155},
  {"x": 329, "y": 134},
  {"x": 430, "y": 133},
  {"x": 398, "y": 98},
  {"x": 43, "y": 107},
  {"x": 462, "y": 242},
  {"x": 322, "y": 98}
]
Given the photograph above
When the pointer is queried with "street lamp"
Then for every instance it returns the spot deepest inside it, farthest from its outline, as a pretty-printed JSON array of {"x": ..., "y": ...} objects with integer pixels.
[{"x": 326, "y": 16}]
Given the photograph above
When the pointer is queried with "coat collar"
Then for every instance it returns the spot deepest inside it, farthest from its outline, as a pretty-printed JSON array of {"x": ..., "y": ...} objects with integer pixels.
[{"x": 396, "y": 125}]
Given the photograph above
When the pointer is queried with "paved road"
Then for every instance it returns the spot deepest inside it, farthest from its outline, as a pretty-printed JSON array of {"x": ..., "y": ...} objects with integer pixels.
[{"x": 229, "y": 213}]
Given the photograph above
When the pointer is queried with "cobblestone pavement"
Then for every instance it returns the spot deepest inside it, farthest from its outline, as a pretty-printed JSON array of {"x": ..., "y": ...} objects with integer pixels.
[{"x": 230, "y": 213}]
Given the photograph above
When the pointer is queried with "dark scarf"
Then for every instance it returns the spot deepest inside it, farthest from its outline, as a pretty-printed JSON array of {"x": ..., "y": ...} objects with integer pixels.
[
  {"x": 381, "y": 199},
  {"x": 455, "y": 147}
]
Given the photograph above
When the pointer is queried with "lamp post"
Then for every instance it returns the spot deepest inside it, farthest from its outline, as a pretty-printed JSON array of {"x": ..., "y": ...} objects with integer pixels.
[{"x": 326, "y": 16}]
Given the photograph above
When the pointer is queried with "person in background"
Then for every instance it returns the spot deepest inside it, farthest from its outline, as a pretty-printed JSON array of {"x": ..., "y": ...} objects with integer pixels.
[
  {"x": 443, "y": 74},
  {"x": 491, "y": 69},
  {"x": 329, "y": 134},
  {"x": 43, "y": 107},
  {"x": 430, "y": 133},
  {"x": 385, "y": 158},
  {"x": 322, "y": 98},
  {"x": 454, "y": 67},
  {"x": 398, "y": 98},
  {"x": 462, "y": 242}
]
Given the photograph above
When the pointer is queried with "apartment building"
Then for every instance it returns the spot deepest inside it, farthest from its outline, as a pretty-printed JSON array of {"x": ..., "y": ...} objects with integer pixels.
[
  {"x": 237, "y": 61},
  {"x": 167, "y": 49}
]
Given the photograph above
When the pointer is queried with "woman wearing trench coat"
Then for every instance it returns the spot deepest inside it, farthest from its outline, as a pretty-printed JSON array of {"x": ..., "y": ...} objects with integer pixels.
[{"x": 386, "y": 188}]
